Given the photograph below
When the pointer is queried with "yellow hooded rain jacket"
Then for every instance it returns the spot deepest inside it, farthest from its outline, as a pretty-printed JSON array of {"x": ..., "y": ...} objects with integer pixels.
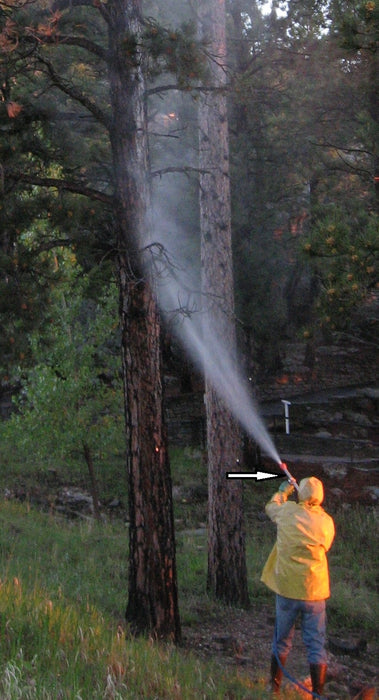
[{"x": 297, "y": 566}]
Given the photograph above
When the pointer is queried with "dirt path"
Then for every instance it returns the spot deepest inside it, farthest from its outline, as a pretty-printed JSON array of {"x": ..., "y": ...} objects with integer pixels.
[{"x": 242, "y": 639}]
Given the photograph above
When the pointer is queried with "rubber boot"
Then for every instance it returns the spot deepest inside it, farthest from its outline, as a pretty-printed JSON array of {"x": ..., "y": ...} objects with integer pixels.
[
  {"x": 276, "y": 674},
  {"x": 318, "y": 676}
]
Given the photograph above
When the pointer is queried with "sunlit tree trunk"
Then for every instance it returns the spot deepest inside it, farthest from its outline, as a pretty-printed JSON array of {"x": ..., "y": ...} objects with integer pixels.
[
  {"x": 227, "y": 577},
  {"x": 152, "y": 604}
]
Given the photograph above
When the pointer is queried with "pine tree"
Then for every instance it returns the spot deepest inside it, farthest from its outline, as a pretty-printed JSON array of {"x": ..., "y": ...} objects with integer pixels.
[
  {"x": 80, "y": 78},
  {"x": 227, "y": 575}
]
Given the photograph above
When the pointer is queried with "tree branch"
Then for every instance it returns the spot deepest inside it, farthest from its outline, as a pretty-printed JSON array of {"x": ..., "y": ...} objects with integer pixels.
[
  {"x": 75, "y": 94},
  {"x": 68, "y": 4},
  {"x": 162, "y": 88},
  {"x": 186, "y": 88},
  {"x": 74, "y": 187},
  {"x": 84, "y": 43},
  {"x": 344, "y": 149},
  {"x": 58, "y": 243},
  {"x": 186, "y": 170}
]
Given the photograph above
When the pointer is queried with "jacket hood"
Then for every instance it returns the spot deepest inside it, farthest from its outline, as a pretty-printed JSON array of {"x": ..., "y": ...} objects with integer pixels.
[{"x": 311, "y": 491}]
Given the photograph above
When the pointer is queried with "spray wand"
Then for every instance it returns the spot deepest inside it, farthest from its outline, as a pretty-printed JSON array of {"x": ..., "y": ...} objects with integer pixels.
[{"x": 291, "y": 479}]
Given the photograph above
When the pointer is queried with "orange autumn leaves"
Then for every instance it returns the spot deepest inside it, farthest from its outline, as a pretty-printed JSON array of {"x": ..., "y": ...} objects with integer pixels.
[{"x": 13, "y": 109}]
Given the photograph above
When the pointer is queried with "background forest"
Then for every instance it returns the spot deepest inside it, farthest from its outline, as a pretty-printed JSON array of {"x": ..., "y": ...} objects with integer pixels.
[{"x": 302, "y": 93}]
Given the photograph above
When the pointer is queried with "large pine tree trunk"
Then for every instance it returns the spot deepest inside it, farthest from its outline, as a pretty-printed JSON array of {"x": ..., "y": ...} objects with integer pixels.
[
  {"x": 152, "y": 604},
  {"x": 227, "y": 576}
]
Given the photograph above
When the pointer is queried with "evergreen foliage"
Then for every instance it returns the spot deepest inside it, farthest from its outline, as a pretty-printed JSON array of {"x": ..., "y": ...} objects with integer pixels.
[
  {"x": 71, "y": 397},
  {"x": 304, "y": 142},
  {"x": 302, "y": 134},
  {"x": 344, "y": 248}
]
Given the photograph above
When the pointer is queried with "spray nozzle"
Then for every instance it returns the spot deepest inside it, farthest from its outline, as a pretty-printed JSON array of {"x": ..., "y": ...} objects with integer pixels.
[{"x": 291, "y": 479}]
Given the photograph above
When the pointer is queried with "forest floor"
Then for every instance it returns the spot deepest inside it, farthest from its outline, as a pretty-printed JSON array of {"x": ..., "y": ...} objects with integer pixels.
[{"x": 242, "y": 638}]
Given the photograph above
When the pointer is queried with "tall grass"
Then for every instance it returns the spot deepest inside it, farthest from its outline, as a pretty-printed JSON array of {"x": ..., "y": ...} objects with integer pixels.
[
  {"x": 62, "y": 594},
  {"x": 51, "y": 649},
  {"x": 354, "y": 566}
]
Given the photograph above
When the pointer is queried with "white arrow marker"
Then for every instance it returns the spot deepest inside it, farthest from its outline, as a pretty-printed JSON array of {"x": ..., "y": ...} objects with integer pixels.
[{"x": 259, "y": 476}]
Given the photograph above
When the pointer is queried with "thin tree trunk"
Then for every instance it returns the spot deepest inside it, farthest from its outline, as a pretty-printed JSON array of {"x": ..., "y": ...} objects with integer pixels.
[
  {"x": 374, "y": 114},
  {"x": 153, "y": 602},
  {"x": 227, "y": 575},
  {"x": 93, "y": 482}
]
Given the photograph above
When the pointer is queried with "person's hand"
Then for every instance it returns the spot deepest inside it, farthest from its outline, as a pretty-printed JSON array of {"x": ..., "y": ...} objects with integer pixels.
[{"x": 286, "y": 488}]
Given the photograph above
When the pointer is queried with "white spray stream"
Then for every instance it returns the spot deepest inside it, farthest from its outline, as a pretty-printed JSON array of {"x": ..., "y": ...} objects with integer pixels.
[
  {"x": 174, "y": 285},
  {"x": 227, "y": 382}
]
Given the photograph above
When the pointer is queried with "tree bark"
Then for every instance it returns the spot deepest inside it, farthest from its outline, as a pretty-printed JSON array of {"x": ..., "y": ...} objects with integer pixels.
[
  {"x": 227, "y": 575},
  {"x": 93, "y": 481},
  {"x": 153, "y": 601},
  {"x": 374, "y": 114},
  {"x": 153, "y": 604}
]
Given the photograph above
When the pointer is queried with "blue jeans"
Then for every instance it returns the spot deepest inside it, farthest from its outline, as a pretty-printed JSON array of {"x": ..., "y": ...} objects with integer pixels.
[{"x": 313, "y": 627}]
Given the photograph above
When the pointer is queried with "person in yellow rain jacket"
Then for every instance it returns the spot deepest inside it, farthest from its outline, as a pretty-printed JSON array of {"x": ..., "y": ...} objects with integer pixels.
[{"x": 297, "y": 571}]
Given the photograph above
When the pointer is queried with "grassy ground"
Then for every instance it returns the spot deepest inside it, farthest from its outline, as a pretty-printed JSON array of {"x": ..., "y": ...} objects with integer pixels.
[{"x": 63, "y": 593}]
